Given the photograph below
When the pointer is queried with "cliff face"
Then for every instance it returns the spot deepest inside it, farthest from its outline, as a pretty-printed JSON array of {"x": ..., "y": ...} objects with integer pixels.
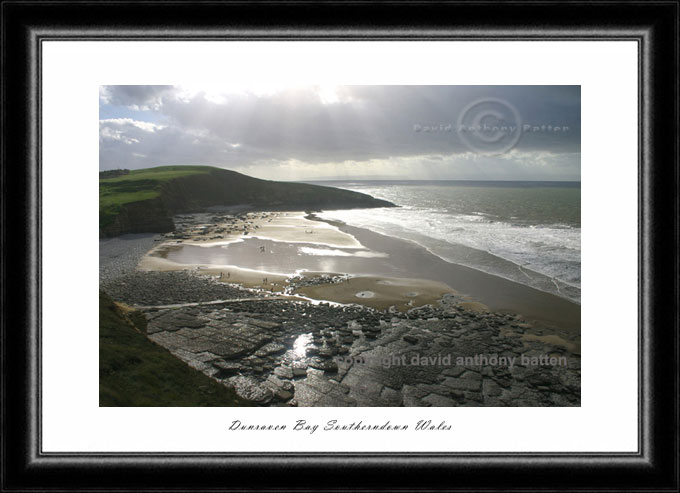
[
  {"x": 220, "y": 187},
  {"x": 147, "y": 216}
]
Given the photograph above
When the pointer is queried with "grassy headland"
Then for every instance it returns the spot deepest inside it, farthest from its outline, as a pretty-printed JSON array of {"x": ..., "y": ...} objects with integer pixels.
[
  {"x": 134, "y": 371},
  {"x": 145, "y": 200},
  {"x": 137, "y": 186}
]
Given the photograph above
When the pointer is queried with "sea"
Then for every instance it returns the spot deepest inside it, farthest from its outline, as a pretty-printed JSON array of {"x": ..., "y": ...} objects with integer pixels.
[{"x": 528, "y": 232}]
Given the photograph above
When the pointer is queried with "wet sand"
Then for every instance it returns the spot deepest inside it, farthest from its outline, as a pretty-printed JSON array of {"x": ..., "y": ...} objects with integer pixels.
[
  {"x": 230, "y": 274},
  {"x": 283, "y": 245},
  {"x": 290, "y": 227},
  {"x": 379, "y": 292},
  {"x": 496, "y": 293},
  {"x": 295, "y": 228}
]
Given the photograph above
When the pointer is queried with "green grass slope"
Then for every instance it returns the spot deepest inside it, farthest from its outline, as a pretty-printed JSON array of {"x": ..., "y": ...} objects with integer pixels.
[
  {"x": 137, "y": 186},
  {"x": 134, "y": 371},
  {"x": 145, "y": 200}
]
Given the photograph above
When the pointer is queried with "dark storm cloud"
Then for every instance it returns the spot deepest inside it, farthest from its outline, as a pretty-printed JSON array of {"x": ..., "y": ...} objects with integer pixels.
[{"x": 317, "y": 126}]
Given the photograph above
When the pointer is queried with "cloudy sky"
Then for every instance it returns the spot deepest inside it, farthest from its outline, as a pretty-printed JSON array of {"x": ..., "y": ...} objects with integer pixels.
[{"x": 347, "y": 132}]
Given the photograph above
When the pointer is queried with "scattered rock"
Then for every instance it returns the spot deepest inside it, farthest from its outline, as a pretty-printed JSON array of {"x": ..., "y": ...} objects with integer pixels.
[
  {"x": 283, "y": 395},
  {"x": 326, "y": 365},
  {"x": 283, "y": 372},
  {"x": 250, "y": 389},
  {"x": 248, "y": 344},
  {"x": 226, "y": 368},
  {"x": 271, "y": 348}
]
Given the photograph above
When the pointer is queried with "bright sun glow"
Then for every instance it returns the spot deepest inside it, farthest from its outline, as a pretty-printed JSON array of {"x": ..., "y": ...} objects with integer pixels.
[
  {"x": 328, "y": 94},
  {"x": 219, "y": 93}
]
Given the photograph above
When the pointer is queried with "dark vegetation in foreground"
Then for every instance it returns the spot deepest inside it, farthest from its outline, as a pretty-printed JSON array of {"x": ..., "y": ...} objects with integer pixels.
[
  {"x": 134, "y": 371},
  {"x": 144, "y": 200}
]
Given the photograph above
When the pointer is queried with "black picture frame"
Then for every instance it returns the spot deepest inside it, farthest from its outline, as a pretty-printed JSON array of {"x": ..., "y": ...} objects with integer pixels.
[{"x": 654, "y": 25}]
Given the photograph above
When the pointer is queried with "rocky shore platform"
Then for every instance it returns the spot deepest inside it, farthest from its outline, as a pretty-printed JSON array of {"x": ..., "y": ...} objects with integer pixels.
[{"x": 276, "y": 351}]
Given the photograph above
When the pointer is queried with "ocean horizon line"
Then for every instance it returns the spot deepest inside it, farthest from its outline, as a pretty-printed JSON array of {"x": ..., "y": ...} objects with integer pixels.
[{"x": 402, "y": 181}]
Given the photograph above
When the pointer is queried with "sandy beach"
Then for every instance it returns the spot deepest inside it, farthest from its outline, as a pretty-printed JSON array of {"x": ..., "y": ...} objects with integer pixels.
[
  {"x": 379, "y": 292},
  {"x": 274, "y": 251},
  {"x": 280, "y": 247},
  {"x": 276, "y": 306},
  {"x": 325, "y": 246},
  {"x": 270, "y": 256}
]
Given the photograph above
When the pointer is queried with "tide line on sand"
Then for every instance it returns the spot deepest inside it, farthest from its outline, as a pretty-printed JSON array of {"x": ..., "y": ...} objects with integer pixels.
[{"x": 322, "y": 240}]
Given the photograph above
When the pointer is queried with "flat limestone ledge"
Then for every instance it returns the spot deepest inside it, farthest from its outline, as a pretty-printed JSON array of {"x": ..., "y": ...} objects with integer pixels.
[{"x": 299, "y": 354}]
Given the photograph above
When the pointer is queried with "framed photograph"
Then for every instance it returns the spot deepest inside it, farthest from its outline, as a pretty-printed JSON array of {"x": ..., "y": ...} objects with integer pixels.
[{"x": 350, "y": 246}]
